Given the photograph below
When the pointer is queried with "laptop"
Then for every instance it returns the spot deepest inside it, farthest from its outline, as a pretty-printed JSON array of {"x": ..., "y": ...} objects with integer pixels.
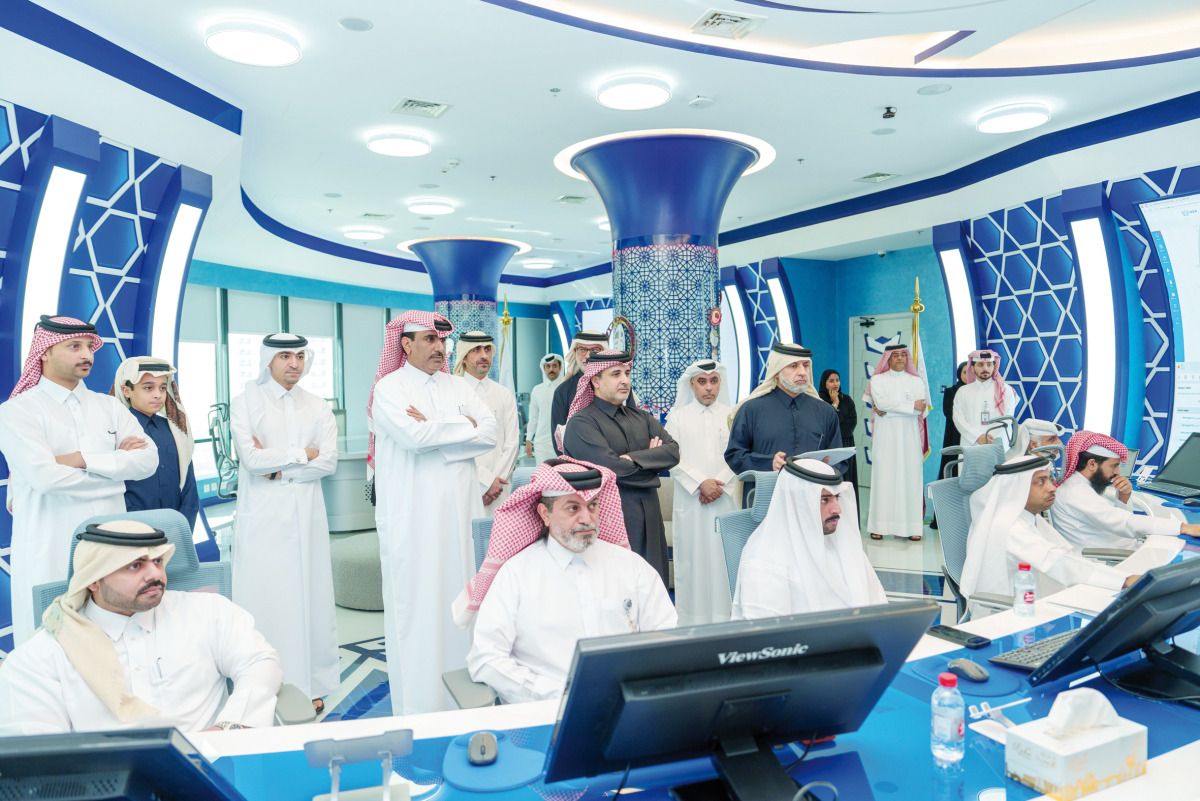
[
  {"x": 1180, "y": 476},
  {"x": 1127, "y": 466}
]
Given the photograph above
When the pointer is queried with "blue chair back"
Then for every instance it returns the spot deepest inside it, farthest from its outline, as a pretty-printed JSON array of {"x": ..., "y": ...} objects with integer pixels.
[
  {"x": 735, "y": 528},
  {"x": 185, "y": 571},
  {"x": 481, "y": 534},
  {"x": 521, "y": 477}
]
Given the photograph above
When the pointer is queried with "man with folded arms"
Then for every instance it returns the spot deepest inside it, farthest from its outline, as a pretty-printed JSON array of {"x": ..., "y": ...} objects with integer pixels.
[
  {"x": 120, "y": 651},
  {"x": 70, "y": 451},
  {"x": 807, "y": 555},
  {"x": 1085, "y": 517},
  {"x": 558, "y": 569},
  {"x": 585, "y": 345}
]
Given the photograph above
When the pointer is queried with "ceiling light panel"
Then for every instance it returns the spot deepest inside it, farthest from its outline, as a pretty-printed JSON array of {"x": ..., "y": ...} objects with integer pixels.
[
  {"x": 633, "y": 92},
  {"x": 253, "y": 43},
  {"x": 1012, "y": 118},
  {"x": 431, "y": 206},
  {"x": 401, "y": 144},
  {"x": 362, "y": 234}
]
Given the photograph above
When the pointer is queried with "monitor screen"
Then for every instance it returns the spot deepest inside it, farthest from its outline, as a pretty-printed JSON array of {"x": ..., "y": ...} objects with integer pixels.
[
  {"x": 1184, "y": 467},
  {"x": 643, "y": 699},
  {"x": 137, "y": 765},
  {"x": 1163, "y": 603}
]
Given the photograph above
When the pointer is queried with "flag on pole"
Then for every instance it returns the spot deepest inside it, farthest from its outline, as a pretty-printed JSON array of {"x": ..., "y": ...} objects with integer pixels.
[
  {"x": 507, "y": 351},
  {"x": 918, "y": 354}
]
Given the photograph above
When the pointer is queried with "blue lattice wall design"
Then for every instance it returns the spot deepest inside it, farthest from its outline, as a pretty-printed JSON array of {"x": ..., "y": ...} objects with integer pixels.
[
  {"x": 761, "y": 314},
  {"x": 1158, "y": 334},
  {"x": 666, "y": 292},
  {"x": 1032, "y": 307},
  {"x": 590, "y": 305},
  {"x": 471, "y": 315}
]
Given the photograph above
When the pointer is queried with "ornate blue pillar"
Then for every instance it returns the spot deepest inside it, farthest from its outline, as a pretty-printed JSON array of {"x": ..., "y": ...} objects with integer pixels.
[
  {"x": 465, "y": 272},
  {"x": 664, "y": 193}
]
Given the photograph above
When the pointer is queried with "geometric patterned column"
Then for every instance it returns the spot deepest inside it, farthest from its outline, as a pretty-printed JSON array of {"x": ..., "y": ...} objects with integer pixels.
[
  {"x": 664, "y": 194},
  {"x": 465, "y": 272}
]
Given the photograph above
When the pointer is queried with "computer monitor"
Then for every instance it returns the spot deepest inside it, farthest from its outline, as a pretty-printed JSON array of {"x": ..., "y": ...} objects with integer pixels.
[
  {"x": 1163, "y": 603},
  {"x": 1127, "y": 466},
  {"x": 729, "y": 691},
  {"x": 1183, "y": 467},
  {"x": 102, "y": 766}
]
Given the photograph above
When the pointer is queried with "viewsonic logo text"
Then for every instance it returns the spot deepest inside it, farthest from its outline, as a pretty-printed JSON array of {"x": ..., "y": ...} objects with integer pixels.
[{"x": 735, "y": 657}]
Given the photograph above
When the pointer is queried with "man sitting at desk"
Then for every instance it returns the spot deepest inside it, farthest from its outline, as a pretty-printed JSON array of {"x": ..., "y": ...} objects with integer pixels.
[
  {"x": 1032, "y": 434},
  {"x": 558, "y": 568},
  {"x": 807, "y": 556},
  {"x": 118, "y": 651},
  {"x": 1007, "y": 528},
  {"x": 1087, "y": 519}
]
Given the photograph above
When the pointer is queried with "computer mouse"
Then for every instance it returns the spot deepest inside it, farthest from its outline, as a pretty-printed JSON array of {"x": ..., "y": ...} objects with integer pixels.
[
  {"x": 482, "y": 750},
  {"x": 966, "y": 669},
  {"x": 1191, "y": 502}
]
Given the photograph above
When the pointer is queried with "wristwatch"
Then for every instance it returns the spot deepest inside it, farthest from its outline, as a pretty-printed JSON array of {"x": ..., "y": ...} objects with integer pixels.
[{"x": 227, "y": 725}]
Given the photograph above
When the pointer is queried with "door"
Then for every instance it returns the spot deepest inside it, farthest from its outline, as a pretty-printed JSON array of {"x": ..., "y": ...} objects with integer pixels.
[{"x": 868, "y": 337}]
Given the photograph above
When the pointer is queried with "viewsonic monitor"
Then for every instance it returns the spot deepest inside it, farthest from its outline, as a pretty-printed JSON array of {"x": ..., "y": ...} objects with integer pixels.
[
  {"x": 729, "y": 691},
  {"x": 110, "y": 766},
  {"x": 1163, "y": 603}
]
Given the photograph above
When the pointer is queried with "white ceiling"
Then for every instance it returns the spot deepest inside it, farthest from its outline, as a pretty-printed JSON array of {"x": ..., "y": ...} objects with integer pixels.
[{"x": 305, "y": 126}]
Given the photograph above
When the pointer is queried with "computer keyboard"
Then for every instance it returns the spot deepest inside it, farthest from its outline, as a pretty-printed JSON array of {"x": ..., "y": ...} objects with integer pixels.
[
  {"x": 1031, "y": 657},
  {"x": 1169, "y": 488}
]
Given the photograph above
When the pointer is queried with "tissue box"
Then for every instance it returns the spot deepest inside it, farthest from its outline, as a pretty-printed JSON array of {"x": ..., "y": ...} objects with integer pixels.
[{"x": 1074, "y": 766}]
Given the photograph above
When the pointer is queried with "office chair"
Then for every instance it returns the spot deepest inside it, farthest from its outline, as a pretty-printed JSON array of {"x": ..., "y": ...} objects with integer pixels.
[
  {"x": 736, "y": 527},
  {"x": 185, "y": 573}
]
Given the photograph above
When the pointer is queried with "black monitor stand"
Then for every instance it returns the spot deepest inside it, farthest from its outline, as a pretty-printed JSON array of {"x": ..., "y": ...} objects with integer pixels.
[
  {"x": 748, "y": 770},
  {"x": 1168, "y": 673}
]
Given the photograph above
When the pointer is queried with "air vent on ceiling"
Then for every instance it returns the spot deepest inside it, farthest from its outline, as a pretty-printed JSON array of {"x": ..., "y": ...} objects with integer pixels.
[
  {"x": 573, "y": 199},
  {"x": 726, "y": 24},
  {"x": 877, "y": 177},
  {"x": 420, "y": 108},
  {"x": 375, "y": 217}
]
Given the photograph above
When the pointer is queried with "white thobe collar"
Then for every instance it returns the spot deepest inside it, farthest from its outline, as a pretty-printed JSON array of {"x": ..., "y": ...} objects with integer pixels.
[
  {"x": 277, "y": 390},
  {"x": 417, "y": 375},
  {"x": 58, "y": 393},
  {"x": 472, "y": 380},
  {"x": 564, "y": 557},
  {"x": 114, "y": 624}
]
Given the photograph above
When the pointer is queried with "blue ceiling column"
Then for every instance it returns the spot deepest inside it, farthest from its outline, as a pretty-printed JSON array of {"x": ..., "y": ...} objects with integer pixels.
[
  {"x": 465, "y": 272},
  {"x": 664, "y": 194}
]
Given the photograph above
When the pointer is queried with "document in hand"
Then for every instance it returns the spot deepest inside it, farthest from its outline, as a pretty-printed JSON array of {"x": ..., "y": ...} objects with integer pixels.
[
  {"x": 1156, "y": 551},
  {"x": 834, "y": 455}
]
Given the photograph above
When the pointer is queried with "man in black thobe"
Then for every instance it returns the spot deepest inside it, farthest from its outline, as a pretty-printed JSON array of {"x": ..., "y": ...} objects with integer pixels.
[
  {"x": 583, "y": 346},
  {"x": 601, "y": 429}
]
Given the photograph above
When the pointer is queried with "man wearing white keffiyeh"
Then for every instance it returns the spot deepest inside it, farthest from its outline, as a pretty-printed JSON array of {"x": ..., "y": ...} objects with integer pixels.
[
  {"x": 428, "y": 427},
  {"x": 120, "y": 651},
  {"x": 558, "y": 568},
  {"x": 807, "y": 556}
]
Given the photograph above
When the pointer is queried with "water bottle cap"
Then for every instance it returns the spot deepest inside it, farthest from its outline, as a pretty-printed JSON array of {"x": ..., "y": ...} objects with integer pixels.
[
  {"x": 1023, "y": 566},
  {"x": 947, "y": 680}
]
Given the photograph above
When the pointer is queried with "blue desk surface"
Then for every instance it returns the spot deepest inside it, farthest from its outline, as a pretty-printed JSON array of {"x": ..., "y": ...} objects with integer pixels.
[{"x": 887, "y": 758}]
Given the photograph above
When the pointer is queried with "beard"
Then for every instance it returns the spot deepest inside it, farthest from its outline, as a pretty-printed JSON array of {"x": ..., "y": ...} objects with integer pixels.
[
  {"x": 1099, "y": 482},
  {"x": 578, "y": 539},
  {"x": 795, "y": 389}
]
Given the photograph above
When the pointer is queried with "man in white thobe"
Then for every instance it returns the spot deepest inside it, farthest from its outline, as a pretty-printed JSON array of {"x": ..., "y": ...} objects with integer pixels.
[
  {"x": 984, "y": 398},
  {"x": 807, "y": 556},
  {"x": 427, "y": 428},
  {"x": 704, "y": 488},
  {"x": 1085, "y": 516},
  {"x": 1034, "y": 433},
  {"x": 558, "y": 569},
  {"x": 70, "y": 451},
  {"x": 473, "y": 359},
  {"x": 539, "y": 438},
  {"x": 1007, "y": 528},
  {"x": 120, "y": 651},
  {"x": 900, "y": 401},
  {"x": 286, "y": 441}
]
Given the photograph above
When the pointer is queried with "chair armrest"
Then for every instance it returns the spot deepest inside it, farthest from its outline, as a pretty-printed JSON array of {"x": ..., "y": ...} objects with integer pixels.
[
  {"x": 1108, "y": 555},
  {"x": 953, "y": 450},
  {"x": 292, "y": 707},
  {"x": 991, "y": 600},
  {"x": 467, "y": 693}
]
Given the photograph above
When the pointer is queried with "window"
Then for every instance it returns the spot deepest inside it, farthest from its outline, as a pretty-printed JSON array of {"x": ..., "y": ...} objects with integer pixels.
[
  {"x": 319, "y": 379},
  {"x": 198, "y": 390}
]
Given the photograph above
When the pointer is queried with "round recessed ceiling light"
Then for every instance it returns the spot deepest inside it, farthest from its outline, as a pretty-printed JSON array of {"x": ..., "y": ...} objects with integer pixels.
[
  {"x": 362, "y": 234},
  {"x": 402, "y": 144},
  {"x": 356, "y": 24},
  {"x": 431, "y": 206},
  {"x": 253, "y": 43},
  {"x": 1012, "y": 118},
  {"x": 633, "y": 92},
  {"x": 935, "y": 89},
  {"x": 765, "y": 153},
  {"x": 522, "y": 247},
  {"x": 537, "y": 264}
]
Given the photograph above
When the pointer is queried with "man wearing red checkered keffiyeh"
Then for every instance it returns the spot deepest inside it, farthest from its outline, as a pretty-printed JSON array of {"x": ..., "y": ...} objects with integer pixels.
[
  {"x": 558, "y": 569},
  {"x": 602, "y": 430},
  {"x": 428, "y": 426},
  {"x": 1088, "y": 519},
  {"x": 70, "y": 451},
  {"x": 984, "y": 398}
]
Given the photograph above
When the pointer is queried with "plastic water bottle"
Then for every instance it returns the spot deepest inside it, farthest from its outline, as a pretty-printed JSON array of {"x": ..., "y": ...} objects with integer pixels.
[
  {"x": 946, "y": 737},
  {"x": 1023, "y": 594}
]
